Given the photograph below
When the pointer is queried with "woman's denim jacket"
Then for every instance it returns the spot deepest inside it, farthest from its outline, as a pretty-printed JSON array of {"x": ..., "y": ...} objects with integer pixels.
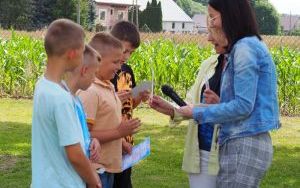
[{"x": 248, "y": 103}]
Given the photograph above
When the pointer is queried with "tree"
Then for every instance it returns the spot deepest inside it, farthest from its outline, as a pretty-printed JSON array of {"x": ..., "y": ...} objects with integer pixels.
[
  {"x": 203, "y": 2},
  {"x": 151, "y": 17},
  {"x": 46, "y": 11},
  {"x": 295, "y": 32},
  {"x": 191, "y": 7},
  {"x": 155, "y": 16},
  {"x": 267, "y": 18},
  {"x": 159, "y": 17},
  {"x": 65, "y": 9},
  {"x": 15, "y": 14},
  {"x": 91, "y": 15},
  {"x": 42, "y": 13},
  {"x": 186, "y": 6}
]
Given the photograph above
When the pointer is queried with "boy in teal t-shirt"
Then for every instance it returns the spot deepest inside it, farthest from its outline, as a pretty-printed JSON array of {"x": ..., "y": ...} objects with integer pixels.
[{"x": 58, "y": 158}]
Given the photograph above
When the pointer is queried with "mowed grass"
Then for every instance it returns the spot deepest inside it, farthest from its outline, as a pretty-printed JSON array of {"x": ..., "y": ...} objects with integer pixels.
[{"x": 162, "y": 169}]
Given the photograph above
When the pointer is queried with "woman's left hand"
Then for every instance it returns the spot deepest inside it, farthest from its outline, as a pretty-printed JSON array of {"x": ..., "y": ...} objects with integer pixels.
[
  {"x": 186, "y": 111},
  {"x": 211, "y": 97}
]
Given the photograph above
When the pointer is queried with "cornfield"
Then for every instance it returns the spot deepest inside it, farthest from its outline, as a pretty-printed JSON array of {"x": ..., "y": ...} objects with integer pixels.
[{"x": 22, "y": 62}]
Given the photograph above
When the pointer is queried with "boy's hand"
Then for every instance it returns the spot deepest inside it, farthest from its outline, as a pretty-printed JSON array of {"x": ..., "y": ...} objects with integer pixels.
[
  {"x": 95, "y": 150},
  {"x": 98, "y": 184},
  {"x": 126, "y": 147},
  {"x": 129, "y": 127},
  {"x": 211, "y": 97},
  {"x": 124, "y": 95},
  {"x": 82, "y": 165}
]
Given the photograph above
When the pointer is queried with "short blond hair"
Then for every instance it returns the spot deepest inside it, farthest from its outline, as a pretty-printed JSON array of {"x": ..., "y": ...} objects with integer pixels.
[
  {"x": 62, "y": 35},
  {"x": 88, "y": 53},
  {"x": 103, "y": 42}
]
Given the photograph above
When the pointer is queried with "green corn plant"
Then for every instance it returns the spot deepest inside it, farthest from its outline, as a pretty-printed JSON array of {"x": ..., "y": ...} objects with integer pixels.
[
  {"x": 21, "y": 62},
  {"x": 288, "y": 70}
]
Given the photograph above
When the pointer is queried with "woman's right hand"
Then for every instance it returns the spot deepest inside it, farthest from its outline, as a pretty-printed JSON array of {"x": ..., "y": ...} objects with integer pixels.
[{"x": 162, "y": 106}]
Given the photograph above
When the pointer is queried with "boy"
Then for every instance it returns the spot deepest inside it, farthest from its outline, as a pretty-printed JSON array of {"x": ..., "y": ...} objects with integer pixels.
[
  {"x": 80, "y": 79},
  {"x": 58, "y": 159},
  {"x": 124, "y": 81},
  {"x": 103, "y": 108}
]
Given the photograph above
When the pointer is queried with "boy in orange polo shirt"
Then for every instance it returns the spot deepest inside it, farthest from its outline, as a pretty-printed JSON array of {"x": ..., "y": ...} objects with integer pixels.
[{"x": 103, "y": 108}]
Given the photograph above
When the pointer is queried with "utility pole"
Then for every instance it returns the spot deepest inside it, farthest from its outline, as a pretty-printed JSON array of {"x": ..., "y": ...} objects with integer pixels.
[
  {"x": 132, "y": 12},
  {"x": 137, "y": 14},
  {"x": 78, "y": 12}
]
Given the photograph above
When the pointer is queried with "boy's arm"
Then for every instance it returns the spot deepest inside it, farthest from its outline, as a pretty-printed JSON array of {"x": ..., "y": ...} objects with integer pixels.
[
  {"x": 82, "y": 165},
  {"x": 136, "y": 101},
  {"x": 69, "y": 138},
  {"x": 126, "y": 128}
]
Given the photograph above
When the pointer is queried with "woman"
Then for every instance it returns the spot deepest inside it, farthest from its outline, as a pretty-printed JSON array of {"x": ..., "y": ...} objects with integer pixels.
[
  {"x": 200, "y": 157},
  {"x": 248, "y": 107}
]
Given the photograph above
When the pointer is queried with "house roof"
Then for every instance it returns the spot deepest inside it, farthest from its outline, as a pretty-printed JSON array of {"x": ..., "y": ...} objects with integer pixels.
[
  {"x": 171, "y": 12},
  {"x": 116, "y": 2}
]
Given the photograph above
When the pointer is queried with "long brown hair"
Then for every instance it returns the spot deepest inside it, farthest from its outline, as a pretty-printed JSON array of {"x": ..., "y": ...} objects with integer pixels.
[{"x": 238, "y": 19}]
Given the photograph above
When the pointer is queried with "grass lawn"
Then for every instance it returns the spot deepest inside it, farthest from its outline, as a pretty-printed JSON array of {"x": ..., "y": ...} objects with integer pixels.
[{"x": 161, "y": 170}]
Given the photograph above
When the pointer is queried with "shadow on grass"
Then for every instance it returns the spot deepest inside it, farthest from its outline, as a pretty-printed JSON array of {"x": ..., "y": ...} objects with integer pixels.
[
  {"x": 15, "y": 166},
  {"x": 163, "y": 167},
  {"x": 15, "y": 138},
  {"x": 285, "y": 168}
]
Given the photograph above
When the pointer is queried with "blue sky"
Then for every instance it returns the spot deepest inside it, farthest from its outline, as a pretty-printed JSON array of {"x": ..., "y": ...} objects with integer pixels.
[{"x": 287, "y": 6}]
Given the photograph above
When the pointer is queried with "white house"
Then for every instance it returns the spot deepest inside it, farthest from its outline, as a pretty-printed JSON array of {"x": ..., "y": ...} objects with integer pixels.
[{"x": 173, "y": 17}]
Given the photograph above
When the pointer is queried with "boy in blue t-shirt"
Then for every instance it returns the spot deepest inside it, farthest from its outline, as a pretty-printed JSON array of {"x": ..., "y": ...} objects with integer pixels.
[
  {"x": 58, "y": 158},
  {"x": 80, "y": 79}
]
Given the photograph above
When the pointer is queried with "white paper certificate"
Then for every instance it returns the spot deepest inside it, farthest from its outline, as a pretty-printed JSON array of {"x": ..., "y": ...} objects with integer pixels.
[
  {"x": 139, "y": 152},
  {"x": 143, "y": 86}
]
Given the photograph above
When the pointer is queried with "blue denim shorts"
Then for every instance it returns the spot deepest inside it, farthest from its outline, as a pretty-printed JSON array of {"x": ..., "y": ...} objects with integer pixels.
[{"x": 107, "y": 179}]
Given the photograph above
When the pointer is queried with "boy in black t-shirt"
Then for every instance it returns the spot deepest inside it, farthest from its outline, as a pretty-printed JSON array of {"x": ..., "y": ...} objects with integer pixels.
[{"x": 124, "y": 81}]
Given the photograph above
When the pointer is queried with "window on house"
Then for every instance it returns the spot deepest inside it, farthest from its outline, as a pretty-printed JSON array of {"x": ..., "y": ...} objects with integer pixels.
[
  {"x": 173, "y": 25},
  {"x": 183, "y": 25},
  {"x": 111, "y": 11},
  {"x": 121, "y": 15},
  {"x": 102, "y": 14}
]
